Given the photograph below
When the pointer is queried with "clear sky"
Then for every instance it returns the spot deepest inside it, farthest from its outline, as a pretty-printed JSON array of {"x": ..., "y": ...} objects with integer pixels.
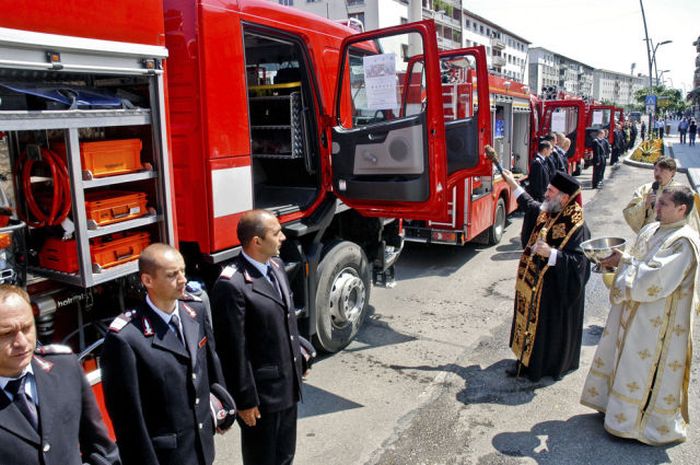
[{"x": 605, "y": 33}]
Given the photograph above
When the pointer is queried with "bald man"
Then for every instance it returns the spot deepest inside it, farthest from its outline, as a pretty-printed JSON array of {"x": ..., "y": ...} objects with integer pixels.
[{"x": 158, "y": 365}]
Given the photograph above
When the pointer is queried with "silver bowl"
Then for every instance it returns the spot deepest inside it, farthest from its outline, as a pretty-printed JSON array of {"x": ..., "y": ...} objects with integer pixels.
[{"x": 599, "y": 249}]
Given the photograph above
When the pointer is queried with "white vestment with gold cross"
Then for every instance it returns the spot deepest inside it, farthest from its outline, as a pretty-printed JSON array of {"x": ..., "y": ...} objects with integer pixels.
[{"x": 641, "y": 369}]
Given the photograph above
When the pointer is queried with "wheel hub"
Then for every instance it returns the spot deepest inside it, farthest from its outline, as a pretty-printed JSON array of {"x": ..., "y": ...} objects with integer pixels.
[{"x": 347, "y": 298}]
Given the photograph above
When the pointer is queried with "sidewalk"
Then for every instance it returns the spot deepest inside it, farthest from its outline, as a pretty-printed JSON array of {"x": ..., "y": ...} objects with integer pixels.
[{"x": 687, "y": 158}]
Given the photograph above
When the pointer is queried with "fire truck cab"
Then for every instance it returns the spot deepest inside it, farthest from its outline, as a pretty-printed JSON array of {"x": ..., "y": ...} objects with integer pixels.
[{"x": 479, "y": 200}]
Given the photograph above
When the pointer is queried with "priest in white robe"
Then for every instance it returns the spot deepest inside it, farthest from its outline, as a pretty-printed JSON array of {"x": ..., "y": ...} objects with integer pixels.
[{"x": 641, "y": 369}]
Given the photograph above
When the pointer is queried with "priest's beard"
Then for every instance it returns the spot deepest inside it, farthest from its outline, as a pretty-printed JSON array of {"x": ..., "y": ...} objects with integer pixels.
[{"x": 552, "y": 205}]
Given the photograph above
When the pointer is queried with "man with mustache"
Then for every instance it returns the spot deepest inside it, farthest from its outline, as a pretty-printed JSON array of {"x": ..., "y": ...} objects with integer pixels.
[
  {"x": 552, "y": 275},
  {"x": 48, "y": 414}
]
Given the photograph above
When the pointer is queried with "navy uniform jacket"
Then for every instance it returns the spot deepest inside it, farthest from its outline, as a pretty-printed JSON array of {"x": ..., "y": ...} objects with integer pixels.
[
  {"x": 157, "y": 391},
  {"x": 258, "y": 339},
  {"x": 71, "y": 427},
  {"x": 538, "y": 178},
  {"x": 599, "y": 151}
]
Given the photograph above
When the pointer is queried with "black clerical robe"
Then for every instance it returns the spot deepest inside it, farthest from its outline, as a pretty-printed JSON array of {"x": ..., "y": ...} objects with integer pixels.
[{"x": 553, "y": 343}]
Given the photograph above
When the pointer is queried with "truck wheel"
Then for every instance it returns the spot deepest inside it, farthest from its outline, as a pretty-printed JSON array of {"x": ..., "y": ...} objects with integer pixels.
[
  {"x": 499, "y": 223},
  {"x": 342, "y": 297}
]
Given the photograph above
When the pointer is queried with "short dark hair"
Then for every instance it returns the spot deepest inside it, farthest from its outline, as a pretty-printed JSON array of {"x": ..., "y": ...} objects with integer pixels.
[
  {"x": 251, "y": 225},
  {"x": 7, "y": 290},
  {"x": 666, "y": 163},
  {"x": 681, "y": 195},
  {"x": 148, "y": 260},
  {"x": 543, "y": 145}
]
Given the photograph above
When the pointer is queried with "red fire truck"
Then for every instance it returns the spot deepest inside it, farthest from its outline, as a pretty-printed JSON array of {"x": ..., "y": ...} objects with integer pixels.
[
  {"x": 599, "y": 116},
  {"x": 569, "y": 118},
  {"x": 143, "y": 121}
]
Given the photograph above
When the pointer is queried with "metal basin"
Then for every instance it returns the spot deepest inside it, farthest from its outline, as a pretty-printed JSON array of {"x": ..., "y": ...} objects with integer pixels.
[{"x": 599, "y": 249}]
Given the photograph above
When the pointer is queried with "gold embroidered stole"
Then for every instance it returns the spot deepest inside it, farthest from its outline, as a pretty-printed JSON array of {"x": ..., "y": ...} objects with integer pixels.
[{"x": 531, "y": 270}]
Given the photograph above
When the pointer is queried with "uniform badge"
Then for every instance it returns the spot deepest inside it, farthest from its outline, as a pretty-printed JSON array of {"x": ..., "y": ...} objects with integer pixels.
[
  {"x": 247, "y": 276},
  {"x": 228, "y": 272},
  {"x": 202, "y": 342},
  {"x": 147, "y": 328}
]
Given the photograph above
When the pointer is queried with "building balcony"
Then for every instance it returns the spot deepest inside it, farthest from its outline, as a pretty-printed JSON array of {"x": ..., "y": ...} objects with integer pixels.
[
  {"x": 448, "y": 44},
  {"x": 497, "y": 44},
  {"x": 497, "y": 61}
]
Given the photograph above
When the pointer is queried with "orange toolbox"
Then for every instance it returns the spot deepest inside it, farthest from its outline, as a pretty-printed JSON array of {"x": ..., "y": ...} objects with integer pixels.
[
  {"x": 106, "y": 251},
  {"x": 117, "y": 248},
  {"x": 107, "y": 207},
  {"x": 108, "y": 157}
]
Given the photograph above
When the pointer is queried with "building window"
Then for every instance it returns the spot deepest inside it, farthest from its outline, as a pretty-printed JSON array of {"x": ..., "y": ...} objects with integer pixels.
[
  {"x": 481, "y": 28},
  {"x": 286, "y": 2},
  {"x": 404, "y": 20},
  {"x": 355, "y": 2},
  {"x": 358, "y": 16},
  {"x": 466, "y": 23}
]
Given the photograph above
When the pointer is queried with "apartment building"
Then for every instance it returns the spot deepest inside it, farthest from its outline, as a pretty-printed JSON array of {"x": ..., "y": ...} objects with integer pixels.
[{"x": 456, "y": 27}]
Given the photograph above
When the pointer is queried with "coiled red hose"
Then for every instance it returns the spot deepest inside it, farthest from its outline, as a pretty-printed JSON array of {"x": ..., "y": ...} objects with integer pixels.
[{"x": 61, "y": 198}]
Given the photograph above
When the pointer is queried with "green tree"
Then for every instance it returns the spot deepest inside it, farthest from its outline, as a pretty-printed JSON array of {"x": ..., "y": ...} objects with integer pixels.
[{"x": 672, "y": 98}]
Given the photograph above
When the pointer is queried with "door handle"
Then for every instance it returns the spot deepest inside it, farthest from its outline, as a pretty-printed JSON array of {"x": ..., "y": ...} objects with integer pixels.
[{"x": 377, "y": 136}]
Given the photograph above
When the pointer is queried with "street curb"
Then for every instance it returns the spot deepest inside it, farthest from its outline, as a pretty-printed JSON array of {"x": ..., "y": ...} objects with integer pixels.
[{"x": 680, "y": 169}]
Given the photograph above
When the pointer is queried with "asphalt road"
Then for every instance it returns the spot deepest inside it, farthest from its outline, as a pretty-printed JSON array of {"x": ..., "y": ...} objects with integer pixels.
[{"x": 424, "y": 382}]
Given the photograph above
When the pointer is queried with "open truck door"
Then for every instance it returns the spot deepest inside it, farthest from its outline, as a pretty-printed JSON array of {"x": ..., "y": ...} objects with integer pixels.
[
  {"x": 600, "y": 117},
  {"x": 567, "y": 117},
  {"x": 388, "y": 152}
]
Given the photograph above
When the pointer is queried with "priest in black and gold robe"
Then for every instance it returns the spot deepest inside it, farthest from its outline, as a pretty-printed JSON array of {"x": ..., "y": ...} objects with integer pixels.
[{"x": 552, "y": 275}]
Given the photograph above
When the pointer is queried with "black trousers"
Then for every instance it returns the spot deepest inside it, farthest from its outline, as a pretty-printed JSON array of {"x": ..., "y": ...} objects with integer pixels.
[
  {"x": 272, "y": 441},
  {"x": 598, "y": 173},
  {"x": 615, "y": 156}
]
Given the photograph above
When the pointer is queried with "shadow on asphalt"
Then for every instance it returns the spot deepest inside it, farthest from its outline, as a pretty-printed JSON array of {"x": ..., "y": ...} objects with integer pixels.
[
  {"x": 376, "y": 332},
  {"x": 318, "y": 401},
  {"x": 489, "y": 385},
  {"x": 580, "y": 439},
  {"x": 444, "y": 259},
  {"x": 591, "y": 335}
]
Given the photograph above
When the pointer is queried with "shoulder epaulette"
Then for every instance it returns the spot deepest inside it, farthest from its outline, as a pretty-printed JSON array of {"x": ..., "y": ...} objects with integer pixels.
[
  {"x": 190, "y": 311},
  {"x": 53, "y": 349},
  {"x": 121, "y": 321},
  {"x": 187, "y": 297},
  {"x": 228, "y": 272}
]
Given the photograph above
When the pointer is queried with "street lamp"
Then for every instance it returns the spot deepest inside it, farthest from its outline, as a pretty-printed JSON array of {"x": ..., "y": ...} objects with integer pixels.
[
  {"x": 653, "y": 57},
  {"x": 661, "y": 76}
]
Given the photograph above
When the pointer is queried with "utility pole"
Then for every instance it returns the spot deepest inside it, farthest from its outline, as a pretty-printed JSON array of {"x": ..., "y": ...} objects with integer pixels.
[
  {"x": 651, "y": 86},
  {"x": 415, "y": 13}
]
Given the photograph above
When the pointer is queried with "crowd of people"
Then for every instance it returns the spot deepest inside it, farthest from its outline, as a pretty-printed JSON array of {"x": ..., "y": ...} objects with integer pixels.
[{"x": 688, "y": 130}]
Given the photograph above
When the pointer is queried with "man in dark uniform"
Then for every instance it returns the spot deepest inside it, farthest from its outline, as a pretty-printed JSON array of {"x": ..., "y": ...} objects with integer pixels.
[
  {"x": 598, "y": 160},
  {"x": 258, "y": 342},
  {"x": 618, "y": 146},
  {"x": 48, "y": 414},
  {"x": 159, "y": 364},
  {"x": 538, "y": 179}
]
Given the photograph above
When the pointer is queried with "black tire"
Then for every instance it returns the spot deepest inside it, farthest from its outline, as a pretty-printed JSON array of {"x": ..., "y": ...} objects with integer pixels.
[
  {"x": 499, "y": 223},
  {"x": 342, "y": 295}
]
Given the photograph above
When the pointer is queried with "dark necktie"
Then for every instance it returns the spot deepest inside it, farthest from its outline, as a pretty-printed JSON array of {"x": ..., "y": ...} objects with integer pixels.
[
  {"x": 273, "y": 280},
  {"x": 175, "y": 326},
  {"x": 23, "y": 403}
]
